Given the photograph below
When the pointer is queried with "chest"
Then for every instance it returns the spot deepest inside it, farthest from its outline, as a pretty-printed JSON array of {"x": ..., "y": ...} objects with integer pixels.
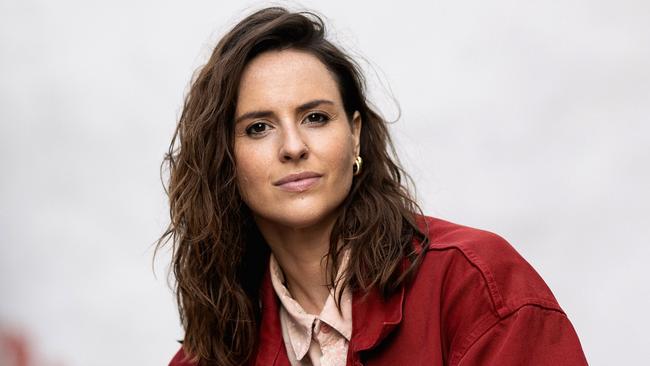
[{"x": 415, "y": 340}]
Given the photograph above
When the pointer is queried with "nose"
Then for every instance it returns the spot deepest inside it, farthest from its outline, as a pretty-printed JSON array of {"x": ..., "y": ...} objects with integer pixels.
[{"x": 293, "y": 146}]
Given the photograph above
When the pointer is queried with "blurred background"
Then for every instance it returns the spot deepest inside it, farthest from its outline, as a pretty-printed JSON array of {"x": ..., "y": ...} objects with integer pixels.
[{"x": 528, "y": 119}]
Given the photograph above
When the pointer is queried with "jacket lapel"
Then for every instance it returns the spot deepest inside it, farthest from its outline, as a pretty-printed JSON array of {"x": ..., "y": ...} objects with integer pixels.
[
  {"x": 271, "y": 349},
  {"x": 373, "y": 318}
]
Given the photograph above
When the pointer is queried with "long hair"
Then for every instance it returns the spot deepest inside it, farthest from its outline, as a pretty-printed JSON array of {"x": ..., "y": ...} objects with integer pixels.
[{"x": 219, "y": 255}]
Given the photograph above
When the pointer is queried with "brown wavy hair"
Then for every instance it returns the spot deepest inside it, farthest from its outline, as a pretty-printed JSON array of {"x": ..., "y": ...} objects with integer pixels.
[{"x": 219, "y": 255}]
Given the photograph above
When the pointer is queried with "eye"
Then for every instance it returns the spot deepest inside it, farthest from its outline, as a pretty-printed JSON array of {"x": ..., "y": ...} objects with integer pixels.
[
  {"x": 317, "y": 117},
  {"x": 257, "y": 128}
]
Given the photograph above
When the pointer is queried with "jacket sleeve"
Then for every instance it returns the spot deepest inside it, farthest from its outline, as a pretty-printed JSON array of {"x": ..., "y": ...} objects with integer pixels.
[{"x": 532, "y": 335}]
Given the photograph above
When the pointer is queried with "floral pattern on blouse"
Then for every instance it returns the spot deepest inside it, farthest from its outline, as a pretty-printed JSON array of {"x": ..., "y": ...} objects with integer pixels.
[{"x": 314, "y": 340}]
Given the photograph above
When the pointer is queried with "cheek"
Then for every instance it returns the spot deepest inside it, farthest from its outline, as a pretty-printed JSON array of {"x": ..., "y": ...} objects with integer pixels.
[
  {"x": 342, "y": 151},
  {"x": 250, "y": 166}
]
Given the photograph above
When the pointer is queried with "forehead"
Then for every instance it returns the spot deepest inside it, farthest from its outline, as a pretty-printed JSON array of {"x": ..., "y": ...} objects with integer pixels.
[{"x": 286, "y": 78}]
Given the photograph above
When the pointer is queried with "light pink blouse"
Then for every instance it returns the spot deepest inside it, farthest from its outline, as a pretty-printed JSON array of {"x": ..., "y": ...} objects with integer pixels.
[{"x": 318, "y": 340}]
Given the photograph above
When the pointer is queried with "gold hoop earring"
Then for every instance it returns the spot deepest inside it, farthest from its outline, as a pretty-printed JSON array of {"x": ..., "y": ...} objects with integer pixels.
[{"x": 356, "y": 167}]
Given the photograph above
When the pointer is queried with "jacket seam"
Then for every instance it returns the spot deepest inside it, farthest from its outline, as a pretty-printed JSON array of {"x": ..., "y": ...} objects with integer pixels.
[
  {"x": 501, "y": 307},
  {"x": 496, "y": 299},
  {"x": 474, "y": 335}
]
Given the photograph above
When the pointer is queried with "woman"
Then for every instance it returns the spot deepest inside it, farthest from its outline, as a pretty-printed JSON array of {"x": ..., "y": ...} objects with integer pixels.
[{"x": 296, "y": 242}]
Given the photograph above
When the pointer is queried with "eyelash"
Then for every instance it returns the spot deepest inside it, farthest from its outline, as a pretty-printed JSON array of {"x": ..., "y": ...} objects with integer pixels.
[
  {"x": 249, "y": 129},
  {"x": 324, "y": 118}
]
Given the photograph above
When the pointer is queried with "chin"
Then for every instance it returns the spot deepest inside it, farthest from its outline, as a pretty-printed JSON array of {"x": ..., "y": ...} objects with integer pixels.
[
  {"x": 303, "y": 220},
  {"x": 300, "y": 217}
]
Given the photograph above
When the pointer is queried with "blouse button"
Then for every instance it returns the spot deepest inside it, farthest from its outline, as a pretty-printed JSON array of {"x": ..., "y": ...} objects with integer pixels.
[{"x": 324, "y": 328}]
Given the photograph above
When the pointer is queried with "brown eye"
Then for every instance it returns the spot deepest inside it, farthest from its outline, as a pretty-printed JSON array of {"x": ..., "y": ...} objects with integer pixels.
[
  {"x": 317, "y": 118},
  {"x": 256, "y": 128}
]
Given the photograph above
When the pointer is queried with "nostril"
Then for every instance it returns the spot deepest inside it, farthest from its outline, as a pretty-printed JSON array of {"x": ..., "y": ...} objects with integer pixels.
[{"x": 297, "y": 152}]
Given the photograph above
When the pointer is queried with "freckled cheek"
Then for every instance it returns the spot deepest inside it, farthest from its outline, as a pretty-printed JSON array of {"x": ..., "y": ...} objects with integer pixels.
[
  {"x": 341, "y": 155},
  {"x": 251, "y": 170}
]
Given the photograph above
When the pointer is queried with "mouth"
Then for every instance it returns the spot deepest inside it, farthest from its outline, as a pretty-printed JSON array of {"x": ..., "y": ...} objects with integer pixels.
[{"x": 299, "y": 182}]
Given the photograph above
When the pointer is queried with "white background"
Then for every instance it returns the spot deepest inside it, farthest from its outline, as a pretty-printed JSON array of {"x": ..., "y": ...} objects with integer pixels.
[{"x": 529, "y": 119}]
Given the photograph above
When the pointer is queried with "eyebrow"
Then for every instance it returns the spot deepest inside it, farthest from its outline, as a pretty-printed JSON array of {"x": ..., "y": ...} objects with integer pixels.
[{"x": 301, "y": 108}]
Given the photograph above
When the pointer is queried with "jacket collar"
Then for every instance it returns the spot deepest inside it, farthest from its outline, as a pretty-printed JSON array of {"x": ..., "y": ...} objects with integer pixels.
[
  {"x": 270, "y": 331},
  {"x": 372, "y": 320}
]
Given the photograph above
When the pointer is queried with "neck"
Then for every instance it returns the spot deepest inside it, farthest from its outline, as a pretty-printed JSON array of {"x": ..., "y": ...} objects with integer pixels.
[{"x": 300, "y": 252}]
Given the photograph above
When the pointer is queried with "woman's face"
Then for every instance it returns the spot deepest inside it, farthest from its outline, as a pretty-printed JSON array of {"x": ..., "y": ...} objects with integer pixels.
[{"x": 294, "y": 145}]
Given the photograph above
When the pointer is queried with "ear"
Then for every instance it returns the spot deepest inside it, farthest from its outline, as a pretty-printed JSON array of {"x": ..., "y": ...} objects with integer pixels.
[{"x": 356, "y": 132}]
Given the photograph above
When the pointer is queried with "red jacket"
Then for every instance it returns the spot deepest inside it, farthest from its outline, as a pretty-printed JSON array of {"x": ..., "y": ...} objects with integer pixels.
[{"x": 474, "y": 301}]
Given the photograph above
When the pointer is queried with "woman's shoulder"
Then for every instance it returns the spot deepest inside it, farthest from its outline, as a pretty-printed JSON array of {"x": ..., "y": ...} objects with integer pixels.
[
  {"x": 490, "y": 305},
  {"x": 473, "y": 258},
  {"x": 181, "y": 359}
]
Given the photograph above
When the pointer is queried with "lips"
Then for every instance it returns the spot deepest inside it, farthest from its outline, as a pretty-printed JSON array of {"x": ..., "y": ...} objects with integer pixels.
[{"x": 298, "y": 182}]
